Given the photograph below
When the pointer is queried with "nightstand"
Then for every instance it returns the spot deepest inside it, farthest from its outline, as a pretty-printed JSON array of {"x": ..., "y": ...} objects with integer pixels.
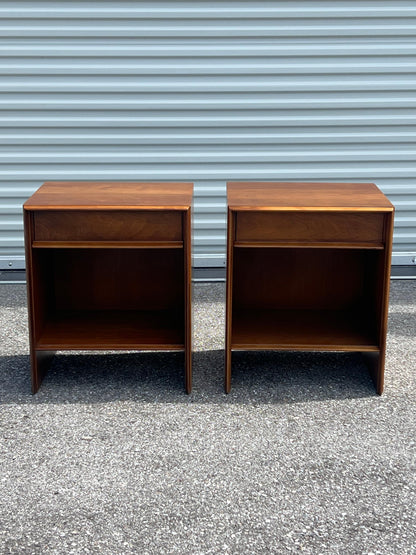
[
  {"x": 108, "y": 268},
  {"x": 308, "y": 269}
]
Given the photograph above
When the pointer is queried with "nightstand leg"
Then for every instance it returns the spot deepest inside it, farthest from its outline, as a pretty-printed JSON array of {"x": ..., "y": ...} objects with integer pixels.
[
  {"x": 229, "y": 299},
  {"x": 188, "y": 370},
  {"x": 375, "y": 364},
  {"x": 40, "y": 363},
  {"x": 227, "y": 370}
]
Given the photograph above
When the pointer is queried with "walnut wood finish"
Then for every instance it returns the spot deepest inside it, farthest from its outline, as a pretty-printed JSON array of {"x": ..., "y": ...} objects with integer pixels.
[
  {"x": 311, "y": 227},
  {"x": 108, "y": 267},
  {"x": 115, "y": 225},
  {"x": 308, "y": 269},
  {"x": 95, "y": 195},
  {"x": 365, "y": 197}
]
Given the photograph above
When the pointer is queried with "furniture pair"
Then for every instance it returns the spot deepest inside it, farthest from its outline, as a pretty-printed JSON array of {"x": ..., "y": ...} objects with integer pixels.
[{"x": 109, "y": 267}]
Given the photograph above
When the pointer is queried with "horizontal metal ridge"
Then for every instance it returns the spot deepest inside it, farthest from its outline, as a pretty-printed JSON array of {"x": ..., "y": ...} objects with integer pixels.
[
  {"x": 204, "y": 103},
  {"x": 276, "y": 76},
  {"x": 171, "y": 137},
  {"x": 222, "y": 172},
  {"x": 218, "y": 10},
  {"x": 221, "y": 155},
  {"x": 204, "y": 85},
  {"x": 195, "y": 48},
  {"x": 403, "y": 27}
]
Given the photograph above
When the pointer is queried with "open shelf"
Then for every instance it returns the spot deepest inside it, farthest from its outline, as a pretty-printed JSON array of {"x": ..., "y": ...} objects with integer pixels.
[
  {"x": 113, "y": 329},
  {"x": 305, "y": 299},
  {"x": 110, "y": 299},
  {"x": 311, "y": 330}
]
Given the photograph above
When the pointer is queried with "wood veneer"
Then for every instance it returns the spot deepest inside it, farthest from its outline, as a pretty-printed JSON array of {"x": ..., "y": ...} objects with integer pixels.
[
  {"x": 108, "y": 267},
  {"x": 308, "y": 269}
]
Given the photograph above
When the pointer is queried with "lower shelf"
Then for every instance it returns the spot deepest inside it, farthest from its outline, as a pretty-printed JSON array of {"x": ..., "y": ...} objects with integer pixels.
[
  {"x": 310, "y": 330},
  {"x": 113, "y": 329}
]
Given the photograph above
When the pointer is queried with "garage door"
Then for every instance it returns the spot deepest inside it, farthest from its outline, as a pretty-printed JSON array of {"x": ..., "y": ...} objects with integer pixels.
[{"x": 207, "y": 92}]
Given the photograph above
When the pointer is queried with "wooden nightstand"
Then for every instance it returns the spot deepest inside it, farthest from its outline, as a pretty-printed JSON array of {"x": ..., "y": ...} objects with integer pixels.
[
  {"x": 108, "y": 267},
  {"x": 308, "y": 269}
]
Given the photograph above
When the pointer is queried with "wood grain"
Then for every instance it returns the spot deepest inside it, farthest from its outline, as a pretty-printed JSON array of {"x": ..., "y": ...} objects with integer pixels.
[
  {"x": 308, "y": 269},
  {"x": 112, "y": 329},
  {"x": 310, "y": 227},
  {"x": 302, "y": 278},
  {"x": 311, "y": 330},
  {"x": 98, "y": 195},
  {"x": 109, "y": 267},
  {"x": 256, "y": 195},
  {"x": 90, "y": 225}
]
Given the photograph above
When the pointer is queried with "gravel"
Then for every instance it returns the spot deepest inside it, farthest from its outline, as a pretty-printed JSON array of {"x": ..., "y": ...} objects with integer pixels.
[{"x": 111, "y": 456}]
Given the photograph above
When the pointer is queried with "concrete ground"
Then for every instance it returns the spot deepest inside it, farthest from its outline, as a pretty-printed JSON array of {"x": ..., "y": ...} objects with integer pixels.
[{"x": 111, "y": 456}]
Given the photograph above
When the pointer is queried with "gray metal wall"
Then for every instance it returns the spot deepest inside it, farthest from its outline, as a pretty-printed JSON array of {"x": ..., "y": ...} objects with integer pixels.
[{"x": 207, "y": 91}]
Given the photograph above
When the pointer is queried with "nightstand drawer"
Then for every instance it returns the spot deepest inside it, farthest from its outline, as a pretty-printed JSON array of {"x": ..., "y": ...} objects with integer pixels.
[
  {"x": 95, "y": 225},
  {"x": 309, "y": 227}
]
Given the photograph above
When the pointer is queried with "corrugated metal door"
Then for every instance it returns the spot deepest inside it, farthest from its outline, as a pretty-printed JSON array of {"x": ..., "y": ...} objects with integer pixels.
[{"x": 207, "y": 91}]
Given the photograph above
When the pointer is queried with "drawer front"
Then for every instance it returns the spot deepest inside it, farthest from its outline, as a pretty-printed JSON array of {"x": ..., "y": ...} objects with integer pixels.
[
  {"x": 93, "y": 225},
  {"x": 309, "y": 227}
]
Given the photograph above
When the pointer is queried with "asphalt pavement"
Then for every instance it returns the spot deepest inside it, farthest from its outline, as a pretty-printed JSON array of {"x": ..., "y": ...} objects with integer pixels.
[{"x": 112, "y": 457}]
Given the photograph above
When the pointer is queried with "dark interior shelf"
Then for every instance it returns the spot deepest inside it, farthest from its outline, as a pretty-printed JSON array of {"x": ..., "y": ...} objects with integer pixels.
[
  {"x": 112, "y": 329},
  {"x": 302, "y": 329},
  {"x": 301, "y": 298},
  {"x": 111, "y": 299}
]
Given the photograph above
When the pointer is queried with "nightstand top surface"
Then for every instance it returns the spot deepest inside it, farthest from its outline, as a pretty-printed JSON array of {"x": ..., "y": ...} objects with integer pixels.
[
  {"x": 258, "y": 195},
  {"x": 94, "y": 195}
]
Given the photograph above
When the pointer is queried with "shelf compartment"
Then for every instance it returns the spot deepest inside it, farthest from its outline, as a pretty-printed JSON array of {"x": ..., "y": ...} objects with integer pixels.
[
  {"x": 305, "y": 299},
  {"x": 105, "y": 298},
  {"x": 303, "y": 278},
  {"x": 112, "y": 329},
  {"x": 311, "y": 330}
]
